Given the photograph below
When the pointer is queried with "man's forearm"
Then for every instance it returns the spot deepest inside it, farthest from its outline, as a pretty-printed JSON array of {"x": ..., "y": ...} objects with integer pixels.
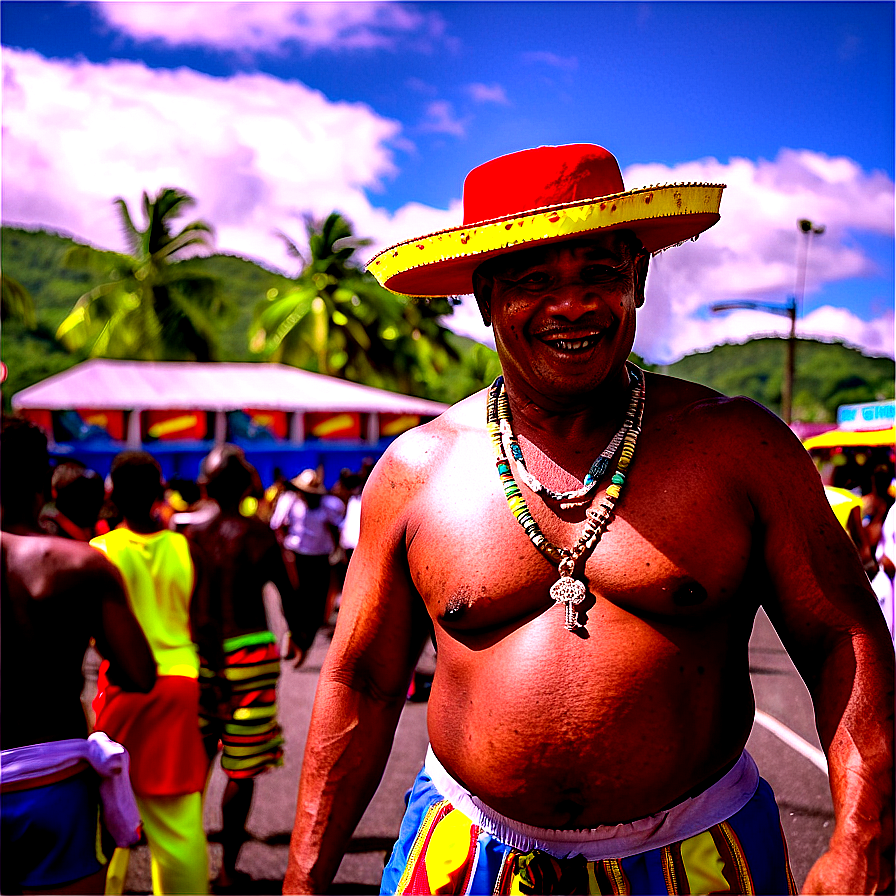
[
  {"x": 348, "y": 746},
  {"x": 854, "y": 701}
]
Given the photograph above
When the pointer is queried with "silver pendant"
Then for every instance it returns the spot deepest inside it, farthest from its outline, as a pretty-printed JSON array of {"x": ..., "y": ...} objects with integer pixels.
[{"x": 571, "y": 592}]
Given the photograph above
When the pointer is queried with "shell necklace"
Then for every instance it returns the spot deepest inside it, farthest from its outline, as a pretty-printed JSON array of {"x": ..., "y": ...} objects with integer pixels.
[{"x": 567, "y": 590}]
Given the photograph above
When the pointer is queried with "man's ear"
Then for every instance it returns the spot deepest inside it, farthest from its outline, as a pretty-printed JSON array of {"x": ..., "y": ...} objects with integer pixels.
[
  {"x": 642, "y": 262},
  {"x": 482, "y": 290}
]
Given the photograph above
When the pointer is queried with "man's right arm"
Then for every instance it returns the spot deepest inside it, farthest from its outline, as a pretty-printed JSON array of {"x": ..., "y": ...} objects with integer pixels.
[{"x": 362, "y": 687}]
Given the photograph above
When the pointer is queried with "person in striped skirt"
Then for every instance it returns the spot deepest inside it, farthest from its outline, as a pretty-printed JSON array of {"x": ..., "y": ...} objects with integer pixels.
[{"x": 238, "y": 682}]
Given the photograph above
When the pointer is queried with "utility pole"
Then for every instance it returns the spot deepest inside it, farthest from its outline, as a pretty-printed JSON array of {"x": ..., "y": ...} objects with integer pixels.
[
  {"x": 806, "y": 227},
  {"x": 791, "y": 310}
]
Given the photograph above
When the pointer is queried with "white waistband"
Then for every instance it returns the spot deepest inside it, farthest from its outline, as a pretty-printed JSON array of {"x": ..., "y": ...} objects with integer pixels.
[
  {"x": 110, "y": 761},
  {"x": 686, "y": 819}
]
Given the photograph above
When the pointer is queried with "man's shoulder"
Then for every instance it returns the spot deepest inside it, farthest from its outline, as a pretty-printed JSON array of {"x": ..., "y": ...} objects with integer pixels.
[
  {"x": 669, "y": 394},
  {"x": 411, "y": 460},
  {"x": 737, "y": 425},
  {"x": 418, "y": 451},
  {"x": 29, "y": 546},
  {"x": 55, "y": 558}
]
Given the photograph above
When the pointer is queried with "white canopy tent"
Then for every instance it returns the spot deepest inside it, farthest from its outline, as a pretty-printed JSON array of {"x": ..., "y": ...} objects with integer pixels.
[{"x": 216, "y": 387}]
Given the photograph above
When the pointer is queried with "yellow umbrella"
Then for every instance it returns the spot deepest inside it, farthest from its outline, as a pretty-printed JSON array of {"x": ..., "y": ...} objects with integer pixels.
[{"x": 846, "y": 438}]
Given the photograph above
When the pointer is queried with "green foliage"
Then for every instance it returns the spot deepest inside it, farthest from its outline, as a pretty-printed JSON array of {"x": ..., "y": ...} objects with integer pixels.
[
  {"x": 827, "y": 375},
  {"x": 36, "y": 259},
  {"x": 31, "y": 356},
  {"x": 476, "y": 368},
  {"x": 17, "y": 304},
  {"x": 337, "y": 320},
  {"x": 146, "y": 305}
]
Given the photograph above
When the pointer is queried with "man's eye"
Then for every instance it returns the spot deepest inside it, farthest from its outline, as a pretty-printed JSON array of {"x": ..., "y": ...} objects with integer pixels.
[
  {"x": 533, "y": 280},
  {"x": 603, "y": 273},
  {"x": 536, "y": 278}
]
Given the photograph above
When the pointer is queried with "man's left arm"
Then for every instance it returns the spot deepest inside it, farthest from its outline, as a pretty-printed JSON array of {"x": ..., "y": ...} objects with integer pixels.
[
  {"x": 826, "y": 614},
  {"x": 205, "y": 625}
]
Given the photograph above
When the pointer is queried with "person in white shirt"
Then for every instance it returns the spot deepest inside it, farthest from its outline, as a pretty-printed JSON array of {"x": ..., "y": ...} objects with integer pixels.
[
  {"x": 309, "y": 521},
  {"x": 882, "y": 583}
]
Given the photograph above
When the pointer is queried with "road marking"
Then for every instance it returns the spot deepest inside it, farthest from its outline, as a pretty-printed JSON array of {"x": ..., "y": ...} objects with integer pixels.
[{"x": 793, "y": 740}]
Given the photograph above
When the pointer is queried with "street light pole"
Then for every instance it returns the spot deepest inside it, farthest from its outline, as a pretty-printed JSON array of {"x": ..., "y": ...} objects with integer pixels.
[
  {"x": 790, "y": 367},
  {"x": 806, "y": 227},
  {"x": 791, "y": 310}
]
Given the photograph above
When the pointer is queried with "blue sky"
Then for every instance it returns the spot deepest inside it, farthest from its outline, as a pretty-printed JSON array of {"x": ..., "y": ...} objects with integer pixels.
[{"x": 264, "y": 111}]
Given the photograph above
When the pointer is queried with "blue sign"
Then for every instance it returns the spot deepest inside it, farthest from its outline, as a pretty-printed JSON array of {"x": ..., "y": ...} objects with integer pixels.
[{"x": 871, "y": 415}]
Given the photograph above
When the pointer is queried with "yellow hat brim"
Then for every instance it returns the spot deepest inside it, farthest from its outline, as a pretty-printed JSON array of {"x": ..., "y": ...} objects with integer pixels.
[{"x": 442, "y": 263}]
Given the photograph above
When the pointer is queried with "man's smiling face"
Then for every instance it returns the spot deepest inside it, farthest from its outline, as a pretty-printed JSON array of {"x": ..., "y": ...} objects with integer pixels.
[{"x": 564, "y": 314}]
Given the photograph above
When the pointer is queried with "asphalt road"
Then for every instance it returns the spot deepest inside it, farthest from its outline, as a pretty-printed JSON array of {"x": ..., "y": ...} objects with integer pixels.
[{"x": 801, "y": 787}]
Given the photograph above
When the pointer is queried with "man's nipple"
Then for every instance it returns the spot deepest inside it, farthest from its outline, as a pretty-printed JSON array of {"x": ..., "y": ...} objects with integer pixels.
[
  {"x": 689, "y": 594},
  {"x": 455, "y": 608}
]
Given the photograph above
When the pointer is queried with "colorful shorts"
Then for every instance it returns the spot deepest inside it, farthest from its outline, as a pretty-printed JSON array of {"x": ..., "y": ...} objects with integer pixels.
[
  {"x": 250, "y": 736},
  {"x": 50, "y": 834},
  {"x": 442, "y": 850}
]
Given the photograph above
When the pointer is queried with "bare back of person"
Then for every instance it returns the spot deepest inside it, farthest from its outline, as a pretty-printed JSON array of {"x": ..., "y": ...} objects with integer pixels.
[
  {"x": 57, "y": 594},
  {"x": 242, "y": 556},
  {"x": 652, "y": 699}
]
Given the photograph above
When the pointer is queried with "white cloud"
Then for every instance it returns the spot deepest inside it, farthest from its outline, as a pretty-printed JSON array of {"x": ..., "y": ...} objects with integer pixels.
[
  {"x": 257, "y": 153},
  {"x": 440, "y": 119},
  {"x": 488, "y": 93},
  {"x": 554, "y": 60},
  {"x": 271, "y": 27},
  {"x": 254, "y": 151},
  {"x": 418, "y": 85},
  {"x": 752, "y": 253}
]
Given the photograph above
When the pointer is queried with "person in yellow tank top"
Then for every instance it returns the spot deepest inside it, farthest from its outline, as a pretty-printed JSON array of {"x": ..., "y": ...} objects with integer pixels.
[
  {"x": 160, "y": 729},
  {"x": 847, "y": 508}
]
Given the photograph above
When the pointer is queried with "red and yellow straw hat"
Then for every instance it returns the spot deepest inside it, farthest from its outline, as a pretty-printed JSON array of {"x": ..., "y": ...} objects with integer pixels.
[{"x": 539, "y": 196}]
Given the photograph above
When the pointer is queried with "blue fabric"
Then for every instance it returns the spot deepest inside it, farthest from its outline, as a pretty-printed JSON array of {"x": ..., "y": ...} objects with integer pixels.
[{"x": 49, "y": 833}]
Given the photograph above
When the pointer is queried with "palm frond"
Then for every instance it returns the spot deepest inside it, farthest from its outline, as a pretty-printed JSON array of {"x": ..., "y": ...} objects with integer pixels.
[
  {"x": 16, "y": 303},
  {"x": 132, "y": 235}
]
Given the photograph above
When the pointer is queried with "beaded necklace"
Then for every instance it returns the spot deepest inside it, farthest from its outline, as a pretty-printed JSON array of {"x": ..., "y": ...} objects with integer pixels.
[
  {"x": 597, "y": 470},
  {"x": 566, "y": 590}
]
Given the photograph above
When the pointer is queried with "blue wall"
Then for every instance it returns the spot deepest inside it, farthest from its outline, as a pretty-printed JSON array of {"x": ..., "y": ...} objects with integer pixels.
[{"x": 182, "y": 459}]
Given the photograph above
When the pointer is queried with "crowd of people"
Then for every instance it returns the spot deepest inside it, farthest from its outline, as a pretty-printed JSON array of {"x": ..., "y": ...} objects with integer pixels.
[
  {"x": 167, "y": 580},
  {"x": 861, "y": 489},
  {"x": 193, "y": 558}
]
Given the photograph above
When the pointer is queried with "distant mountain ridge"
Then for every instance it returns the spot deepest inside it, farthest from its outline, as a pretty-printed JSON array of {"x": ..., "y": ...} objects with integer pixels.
[{"x": 827, "y": 374}]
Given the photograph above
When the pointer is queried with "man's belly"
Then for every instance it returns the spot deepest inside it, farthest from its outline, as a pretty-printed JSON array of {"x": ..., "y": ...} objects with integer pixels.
[{"x": 561, "y": 732}]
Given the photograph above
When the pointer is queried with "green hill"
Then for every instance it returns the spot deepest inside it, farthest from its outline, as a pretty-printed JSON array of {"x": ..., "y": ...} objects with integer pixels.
[{"x": 827, "y": 374}]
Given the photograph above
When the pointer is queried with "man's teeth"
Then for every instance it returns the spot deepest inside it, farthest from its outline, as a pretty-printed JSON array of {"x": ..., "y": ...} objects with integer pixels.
[{"x": 572, "y": 345}]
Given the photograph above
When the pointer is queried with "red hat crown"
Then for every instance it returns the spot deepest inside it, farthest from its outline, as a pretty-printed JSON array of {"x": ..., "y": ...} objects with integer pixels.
[{"x": 537, "y": 178}]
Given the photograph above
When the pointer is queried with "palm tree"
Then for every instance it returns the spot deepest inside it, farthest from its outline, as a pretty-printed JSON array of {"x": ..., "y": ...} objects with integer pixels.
[
  {"x": 338, "y": 320},
  {"x": 16, "y": 303},
  {"x": 150, "y": 307}
]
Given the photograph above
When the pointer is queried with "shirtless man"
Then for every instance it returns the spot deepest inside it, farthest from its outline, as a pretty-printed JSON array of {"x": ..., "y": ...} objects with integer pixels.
[
  {"x": 242, "y": 556},
  {"x": 592, "y": 696},
  {"x": 56, "y": 595}
]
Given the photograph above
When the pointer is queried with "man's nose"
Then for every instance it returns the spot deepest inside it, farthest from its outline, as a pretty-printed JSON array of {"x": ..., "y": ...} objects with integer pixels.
[{"x": 572, "y": 298}]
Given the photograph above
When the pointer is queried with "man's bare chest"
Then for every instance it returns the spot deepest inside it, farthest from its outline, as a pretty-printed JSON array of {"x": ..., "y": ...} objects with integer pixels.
[{"x": 678, "y": 546}]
